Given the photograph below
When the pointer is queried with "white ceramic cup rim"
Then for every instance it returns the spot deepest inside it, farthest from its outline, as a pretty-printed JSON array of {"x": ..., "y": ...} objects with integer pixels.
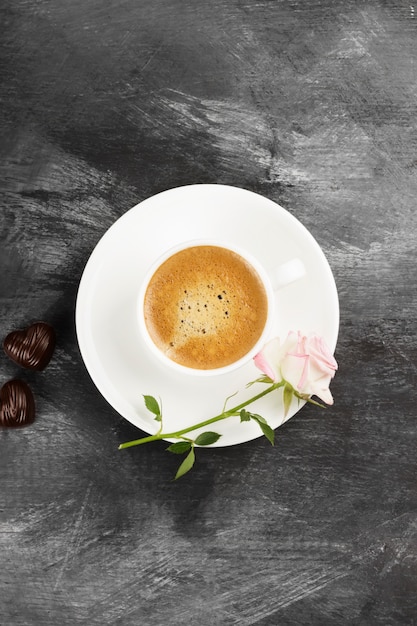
[{"x": 266, "y": 281}]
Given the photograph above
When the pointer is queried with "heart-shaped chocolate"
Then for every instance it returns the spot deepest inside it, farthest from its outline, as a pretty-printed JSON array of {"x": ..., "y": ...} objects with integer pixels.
[
  {"x": 17, "y": 404},
  {"x": 31, "y": 347}
]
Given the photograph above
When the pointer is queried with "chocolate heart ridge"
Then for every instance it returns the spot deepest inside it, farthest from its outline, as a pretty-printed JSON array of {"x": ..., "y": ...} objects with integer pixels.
[
  {"x": 31, "y": 347},
  {"x": 17, "y": 404}
]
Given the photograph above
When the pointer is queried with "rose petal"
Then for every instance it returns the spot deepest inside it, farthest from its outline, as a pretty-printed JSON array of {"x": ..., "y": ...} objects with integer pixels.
[
  {"x": 294, "y": 368},
  {"x": 323, "y": 393},
  {"x": 268, "y": 358},
  {"x": 304, "y": 361},
  {"x": 324, "y": 359}
]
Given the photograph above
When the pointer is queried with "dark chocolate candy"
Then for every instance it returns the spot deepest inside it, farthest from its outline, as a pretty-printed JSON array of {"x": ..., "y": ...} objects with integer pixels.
[
  {"x": 17, "y": 404},
  {"x": 31, "y": 347}
]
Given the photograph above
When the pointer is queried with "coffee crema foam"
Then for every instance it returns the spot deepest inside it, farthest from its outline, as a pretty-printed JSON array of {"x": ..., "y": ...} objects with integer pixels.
[{"x": 205, "y": 307}]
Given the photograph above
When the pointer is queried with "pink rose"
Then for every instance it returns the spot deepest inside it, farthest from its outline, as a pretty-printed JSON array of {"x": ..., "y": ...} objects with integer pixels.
[{"x": 305, "y": 362}]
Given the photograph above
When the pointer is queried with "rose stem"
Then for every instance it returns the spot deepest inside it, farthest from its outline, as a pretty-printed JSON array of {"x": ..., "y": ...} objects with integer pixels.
[{"x": 217, "y": 418}]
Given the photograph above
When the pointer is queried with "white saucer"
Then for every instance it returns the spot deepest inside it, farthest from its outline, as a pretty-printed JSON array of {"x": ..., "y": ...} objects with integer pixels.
[{"x": 122, "y": 367}]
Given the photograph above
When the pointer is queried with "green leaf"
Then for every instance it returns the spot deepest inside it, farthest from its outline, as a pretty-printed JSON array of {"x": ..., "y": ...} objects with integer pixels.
[
  {"x": 287, "y": 396},
  {"x": 261, "y": 379},
  {"x": 186, "y": 465},
  {"x": 179, "y": 447},
  {"x": 247, "y": 415},
  {"x": 153, "y": 406},
  {"x": 207, "y": 438},
  {"x": 268, "y": 432},
  {"x": 244, "y": 416},
  {"x": 266, "y": 429},
  {"x": 258, "y": 418},
  {"x": 307, "y": 398}
]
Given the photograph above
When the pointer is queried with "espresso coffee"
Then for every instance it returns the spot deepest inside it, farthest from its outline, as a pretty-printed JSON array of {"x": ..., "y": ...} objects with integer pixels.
[{"x": 205, "y": 307}]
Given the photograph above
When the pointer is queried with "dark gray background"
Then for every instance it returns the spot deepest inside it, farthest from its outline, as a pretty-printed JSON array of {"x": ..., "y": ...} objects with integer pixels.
[{"x": 312, "y": 104}]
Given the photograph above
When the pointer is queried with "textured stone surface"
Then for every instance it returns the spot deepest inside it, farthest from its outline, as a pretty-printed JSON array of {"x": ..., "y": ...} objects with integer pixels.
[{"x": 312, "y": 104}]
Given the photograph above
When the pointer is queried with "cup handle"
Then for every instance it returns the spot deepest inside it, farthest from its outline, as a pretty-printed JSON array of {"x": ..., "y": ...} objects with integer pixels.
[{"x": 287, "y": 273}]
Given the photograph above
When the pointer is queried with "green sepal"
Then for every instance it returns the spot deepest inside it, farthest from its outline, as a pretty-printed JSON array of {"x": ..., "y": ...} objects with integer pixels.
[
  {"x": 261, "y": 379},
  {"x": 307, "y": 398},
  {"x": 287, "y": 397}
]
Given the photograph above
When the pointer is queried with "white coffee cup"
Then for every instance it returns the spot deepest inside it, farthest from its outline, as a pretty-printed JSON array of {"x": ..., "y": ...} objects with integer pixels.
[{"x": 272, "y": 281}]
